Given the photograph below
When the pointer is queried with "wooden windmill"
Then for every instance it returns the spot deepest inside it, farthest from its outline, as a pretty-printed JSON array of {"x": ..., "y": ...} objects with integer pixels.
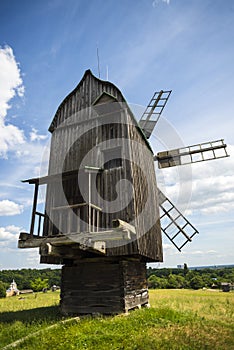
[{"x": 102, "y": 210}]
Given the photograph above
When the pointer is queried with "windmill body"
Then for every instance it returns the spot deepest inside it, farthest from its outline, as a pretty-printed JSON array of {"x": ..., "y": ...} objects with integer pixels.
[{"x": 102, "y": 210}]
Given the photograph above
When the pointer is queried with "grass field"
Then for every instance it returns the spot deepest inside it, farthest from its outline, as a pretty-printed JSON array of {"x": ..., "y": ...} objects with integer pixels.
[{"x": 177, "y": 319}]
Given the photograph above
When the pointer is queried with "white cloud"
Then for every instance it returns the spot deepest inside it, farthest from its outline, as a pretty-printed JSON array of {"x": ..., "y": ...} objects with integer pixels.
[
  {"x": 9, "y": 233},
  {"x": 9, "y": 236},
  {"x": 34, "y": 136},
  {"x": 9, "y": 208},
  {"x": 11, "y": 84},
  {"x": 10, "y": 79},
  {"x": 156, "y": 2},
  {"x": 32, "y": 256},
  {"x": 30, "y": 160},
  {"x": 10, "y": 137}
]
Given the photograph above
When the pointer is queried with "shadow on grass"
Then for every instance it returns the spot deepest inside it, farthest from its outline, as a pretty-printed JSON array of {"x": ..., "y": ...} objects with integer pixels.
[{"x": 41, "y": 314}]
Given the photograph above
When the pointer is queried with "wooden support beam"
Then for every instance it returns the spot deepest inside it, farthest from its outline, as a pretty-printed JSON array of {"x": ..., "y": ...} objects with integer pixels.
[
  {"x": 93, "y": 241},
  {"x": 34, "y": 209},
  {"x": 124, "y": 226}
]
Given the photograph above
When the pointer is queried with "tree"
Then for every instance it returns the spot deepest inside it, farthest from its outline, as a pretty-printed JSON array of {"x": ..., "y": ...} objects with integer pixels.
[
  {"x": 156, "y": 282},
  {"x": 186, "y": 270},
  {"x": 2, "y": 290},
  {"x": 197, "y": 282},
  {"x": 175, "y": 281},
  {"x": 39, "y": 284}
]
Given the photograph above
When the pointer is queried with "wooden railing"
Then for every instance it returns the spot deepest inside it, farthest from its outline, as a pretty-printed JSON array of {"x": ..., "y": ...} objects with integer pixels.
[
  {"x": 37, "y": 221},
  {"x": 39, "y": 224},
  {"x": 75, "y": 218}
]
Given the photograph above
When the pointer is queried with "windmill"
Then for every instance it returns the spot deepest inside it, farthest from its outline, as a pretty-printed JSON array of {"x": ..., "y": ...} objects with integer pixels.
[{"x": 102, "y": 218}]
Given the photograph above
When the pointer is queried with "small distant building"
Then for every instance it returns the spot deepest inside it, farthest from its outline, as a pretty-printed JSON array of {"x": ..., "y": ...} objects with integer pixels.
[
  {"x": 226, "y": 287},
  {"x": 12, "y": 290},
  {"x": 54, "y": 288},
  {"x": 26, "y": 291}
]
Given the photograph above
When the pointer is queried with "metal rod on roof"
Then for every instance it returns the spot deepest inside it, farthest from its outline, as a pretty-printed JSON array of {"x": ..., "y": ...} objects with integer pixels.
[{"x": 98, "y": 63}]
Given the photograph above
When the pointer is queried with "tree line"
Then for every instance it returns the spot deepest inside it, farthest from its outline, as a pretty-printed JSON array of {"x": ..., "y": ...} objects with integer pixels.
[
  {"x": 192, "y": 279},
  {"x": 37, "y": 279}
]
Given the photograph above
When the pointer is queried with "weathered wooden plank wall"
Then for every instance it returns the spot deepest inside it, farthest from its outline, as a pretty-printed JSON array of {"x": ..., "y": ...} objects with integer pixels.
[
  {"x": 90, "y": 288},
  {"x": 145, "y": 198},
  {"x": 103, "y": 287},
  {"x": 87, "y": 134}
]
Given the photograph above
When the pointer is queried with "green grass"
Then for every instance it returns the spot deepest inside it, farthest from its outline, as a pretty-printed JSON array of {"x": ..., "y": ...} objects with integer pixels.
[{"x": 177, "y": 319}]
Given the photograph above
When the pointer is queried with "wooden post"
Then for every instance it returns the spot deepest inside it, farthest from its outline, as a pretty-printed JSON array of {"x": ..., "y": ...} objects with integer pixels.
[
  {"x": 34, "y": 208},
  {"x": 89, "y": 201},
  {"x": 39, "y": 226},
  {"x": 90, "y": 170},
  {"x": 97, "y": 221}
]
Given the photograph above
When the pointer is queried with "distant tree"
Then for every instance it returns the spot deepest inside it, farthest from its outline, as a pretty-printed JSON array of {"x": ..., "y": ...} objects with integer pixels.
[
  {"x": 197, "y": 282},
  {"x": 186, "y": 270},
  {"x": 152, "y": 281},
  {"x": 39, "y": 284},
  {"x": 175, "y": 281},
  {"x": 2, "y": 290},
  {"x": 155, "y": 282}
]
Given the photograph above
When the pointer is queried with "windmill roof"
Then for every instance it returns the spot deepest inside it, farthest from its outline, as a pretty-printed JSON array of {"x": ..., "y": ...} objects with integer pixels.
[{"x": 106, "y": 85}]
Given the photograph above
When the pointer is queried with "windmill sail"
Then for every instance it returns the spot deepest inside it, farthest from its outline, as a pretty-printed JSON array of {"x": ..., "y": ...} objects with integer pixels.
[
  {"x": 192, "y": 154},
  {"x": 173, "y": 223},
  {"x": 153, "y": 111}
]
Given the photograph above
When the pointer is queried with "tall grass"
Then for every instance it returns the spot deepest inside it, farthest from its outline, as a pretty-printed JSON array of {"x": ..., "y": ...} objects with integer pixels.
[{"x": 177, "y": 319}]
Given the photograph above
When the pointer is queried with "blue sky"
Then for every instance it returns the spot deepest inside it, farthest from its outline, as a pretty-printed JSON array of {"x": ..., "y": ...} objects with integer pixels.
[{"x": 146, "y": 46}]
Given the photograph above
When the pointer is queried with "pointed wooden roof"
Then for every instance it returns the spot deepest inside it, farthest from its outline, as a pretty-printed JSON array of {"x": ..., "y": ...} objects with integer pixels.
[{"x": 86, "y": 94}]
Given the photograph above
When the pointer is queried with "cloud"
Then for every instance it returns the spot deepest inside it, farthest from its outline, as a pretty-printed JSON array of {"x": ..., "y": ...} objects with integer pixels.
[
  {"x": 34, "y": 136},
  {"x": 30, "y": 160},
  {"x": 11, "y": 84},
  {"x": 196, "y": 254},
  {"x": 10, "y": 137},
  {"x": 9, "y": 233},
  {"x": 32, "y": 256},
  {"x": 9, "y": 208},
  {"x": 9, "y": 236},
  {"x": 10, "y": 79},
  {"x": 157, "y": 2}
]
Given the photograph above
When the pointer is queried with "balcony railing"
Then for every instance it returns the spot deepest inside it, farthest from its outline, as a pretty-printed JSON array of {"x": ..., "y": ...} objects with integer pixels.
[{"x": 75, "y": 218}]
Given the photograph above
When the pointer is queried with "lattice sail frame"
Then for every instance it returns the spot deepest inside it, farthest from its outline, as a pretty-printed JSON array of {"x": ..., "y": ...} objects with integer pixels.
[
  {"x": 174, "y": 224},
  {"x": 153, "y": 112},
  {"x": 192, "y": 154}
]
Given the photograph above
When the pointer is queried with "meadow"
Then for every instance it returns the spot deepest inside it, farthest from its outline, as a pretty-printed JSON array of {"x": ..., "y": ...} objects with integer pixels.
[{"x": 177, "y": 319}]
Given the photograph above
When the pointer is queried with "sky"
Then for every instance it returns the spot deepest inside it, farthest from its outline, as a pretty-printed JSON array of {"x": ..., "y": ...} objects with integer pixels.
[{"x": 144, "y": 46}]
